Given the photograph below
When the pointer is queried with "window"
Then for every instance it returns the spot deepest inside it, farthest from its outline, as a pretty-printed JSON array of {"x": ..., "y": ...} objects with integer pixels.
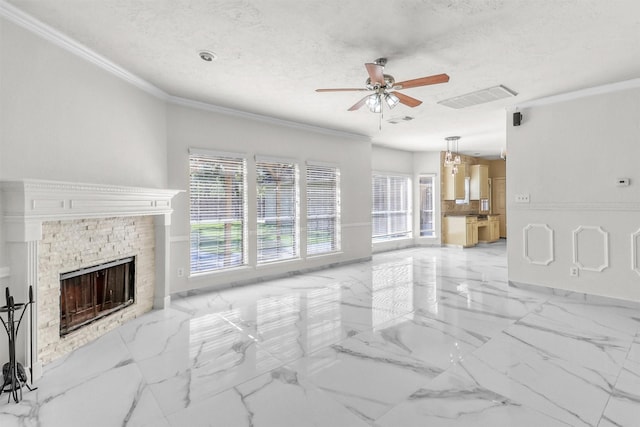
[
  {"x": 323, "y": 209},
  {"x": 467, "y": 186},
  {"x": 277, "y": 210},
  {"x": 218, "y": 210},
  {"x": 427, "y": 226},
  {"x": 391, "y": 215}
]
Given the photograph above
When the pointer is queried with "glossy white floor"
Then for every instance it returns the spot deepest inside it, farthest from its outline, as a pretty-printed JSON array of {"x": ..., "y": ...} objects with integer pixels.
[{"x": 419, "y": 337}]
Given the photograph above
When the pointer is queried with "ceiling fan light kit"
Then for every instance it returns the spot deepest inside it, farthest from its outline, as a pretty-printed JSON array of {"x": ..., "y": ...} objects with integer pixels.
[{"x": 385, "y": 87}]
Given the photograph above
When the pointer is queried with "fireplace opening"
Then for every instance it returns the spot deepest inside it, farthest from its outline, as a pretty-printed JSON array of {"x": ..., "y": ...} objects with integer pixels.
[{"x": 89, "y": 294}]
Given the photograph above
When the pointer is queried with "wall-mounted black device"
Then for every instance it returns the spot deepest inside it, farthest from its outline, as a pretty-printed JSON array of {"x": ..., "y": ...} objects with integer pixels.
[{"x": 517, "y": 118}]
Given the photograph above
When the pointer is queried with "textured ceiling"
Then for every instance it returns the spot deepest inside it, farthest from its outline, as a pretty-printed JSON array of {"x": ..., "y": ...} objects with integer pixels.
[{"x": 273, "y": 54}]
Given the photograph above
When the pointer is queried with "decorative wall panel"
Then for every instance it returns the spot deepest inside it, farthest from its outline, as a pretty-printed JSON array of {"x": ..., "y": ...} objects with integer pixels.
[
  {"x": 591, "y": 248},
  {"x": 635, "y": 251},
  {"x": 538, "y": 244}
]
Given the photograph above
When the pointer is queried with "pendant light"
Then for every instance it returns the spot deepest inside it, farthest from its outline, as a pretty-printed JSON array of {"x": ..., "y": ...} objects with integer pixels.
[{"x": 452, "y": 158}]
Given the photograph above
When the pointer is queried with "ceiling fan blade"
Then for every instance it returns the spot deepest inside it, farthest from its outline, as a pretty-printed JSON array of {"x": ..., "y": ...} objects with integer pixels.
[
  {"x": 342, "y": 90},
  {"x": 407, "y": 100},
  {"x": 422, "y": 81},
  {"x": 359, "y": 104},
  {"x": 375, "y": 73}
]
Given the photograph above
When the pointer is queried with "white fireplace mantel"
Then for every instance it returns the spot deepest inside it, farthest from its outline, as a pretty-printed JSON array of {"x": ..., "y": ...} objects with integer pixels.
[{"x": 27, "y": 203}]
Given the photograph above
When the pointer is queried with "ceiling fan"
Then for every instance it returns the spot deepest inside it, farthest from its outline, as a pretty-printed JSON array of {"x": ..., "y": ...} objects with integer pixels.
[{"x": 384, "y": 87}]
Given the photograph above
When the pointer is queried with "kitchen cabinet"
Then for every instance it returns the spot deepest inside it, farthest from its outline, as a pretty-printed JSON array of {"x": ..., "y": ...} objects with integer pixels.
[
  {"x": 453, "y": 184},
  {"x": 479, "y": 184},
  {"x": 489, "y": 229},
  {"x": 461, "y": 230}
]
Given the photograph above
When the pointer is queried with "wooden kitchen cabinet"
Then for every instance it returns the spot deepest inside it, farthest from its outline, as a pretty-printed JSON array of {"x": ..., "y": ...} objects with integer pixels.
[
  {"x": 489, "y": 229},
  {"x": 479, "y": 183},
  {"x": 453, "y": 184},
  {"x": 494, "y": 225},
  {"x": 461, "y": 230}
]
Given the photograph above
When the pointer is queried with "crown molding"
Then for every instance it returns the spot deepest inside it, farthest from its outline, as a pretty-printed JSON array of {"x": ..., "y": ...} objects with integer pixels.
[
  {"x": 582, "y": 93},
  {"x": 176, "y": 100},
  {"x": 28, "y": 22}
]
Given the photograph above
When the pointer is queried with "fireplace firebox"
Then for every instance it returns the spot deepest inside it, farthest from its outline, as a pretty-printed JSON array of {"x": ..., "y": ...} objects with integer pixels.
[{"x": 89, "y": 294}]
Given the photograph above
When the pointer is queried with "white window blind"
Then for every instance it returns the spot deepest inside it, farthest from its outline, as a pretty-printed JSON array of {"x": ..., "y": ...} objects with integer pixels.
[
  {"x": 391, "y": 215},
  {"x": 427, "y": 225},
  {"x": 277, "y": 210},
  {"x": 218, "y": 212},
  {"x": 323, "y": 209}
]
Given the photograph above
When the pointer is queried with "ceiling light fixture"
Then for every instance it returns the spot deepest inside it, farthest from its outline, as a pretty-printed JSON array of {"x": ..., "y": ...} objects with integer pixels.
[
  {"x": 391, "y": 99},
  {"x": 207, "y": 56},
  {"x": 374, "y": 103},
  {"x": 452, "y": 158}
]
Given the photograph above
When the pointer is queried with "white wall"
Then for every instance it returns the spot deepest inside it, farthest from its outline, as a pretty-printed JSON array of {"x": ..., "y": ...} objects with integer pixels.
[
  {"x": 190, "y": 127},
  {"x": 567, "y": 156},
  {"x": 65, "y": 119}
]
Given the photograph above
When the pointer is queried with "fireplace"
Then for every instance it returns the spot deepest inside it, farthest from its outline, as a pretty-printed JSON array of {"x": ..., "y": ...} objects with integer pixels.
[
  {"x": 52, "y": 228},
  {"x": 89, "y": 294}
]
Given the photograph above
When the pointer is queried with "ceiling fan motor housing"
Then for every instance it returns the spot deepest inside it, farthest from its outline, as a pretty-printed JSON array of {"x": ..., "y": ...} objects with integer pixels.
[{"x": 389, "y": 81}]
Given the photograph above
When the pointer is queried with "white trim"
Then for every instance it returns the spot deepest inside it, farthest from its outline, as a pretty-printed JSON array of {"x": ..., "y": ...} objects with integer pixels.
[
  {"x": 635, "y": 242},
  {"x": 50, "y": 34},
  {"x": 31, "y": 200},
  {"x": 214, "y": 153},
  {"x": 525, "y": 244},
  {"x": 605, "y": 242},
  {"x": 322, "y": 164},
  {"x": 176, "y": 100},
  {"x": 570, "y": 206},
  {"x": 276, "y": 159},
  {"x": 399, "y": 174},
  {"x": 582, "y": 93},
  {"x": 28, "y": 22}
]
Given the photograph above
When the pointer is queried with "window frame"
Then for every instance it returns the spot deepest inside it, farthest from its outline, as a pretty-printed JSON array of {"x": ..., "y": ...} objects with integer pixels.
[
  {"x": 388, "y": 212},
  {"x": 238, "y": 160},
  {"x": 422, "y": 209},
  {"x": 261, "y": 258},
  {"x": 336, "y": 234}
]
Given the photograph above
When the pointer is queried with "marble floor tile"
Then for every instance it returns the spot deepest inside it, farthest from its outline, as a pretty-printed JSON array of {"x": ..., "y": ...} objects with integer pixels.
[
  {"x": 279, "y": 398},
  {"x": 623, "y": 408},
  {"x": 215, "y": 356},
  {"x": 547, "y": 383},
  {"x": 416, "y": 337},
  {"x": 456, "y": 399},
  {"x": 368, "y": 373}
]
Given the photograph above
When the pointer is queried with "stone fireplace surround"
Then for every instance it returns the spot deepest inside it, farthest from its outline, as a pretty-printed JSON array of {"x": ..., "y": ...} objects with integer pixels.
[{"x": 31, "y": 207}]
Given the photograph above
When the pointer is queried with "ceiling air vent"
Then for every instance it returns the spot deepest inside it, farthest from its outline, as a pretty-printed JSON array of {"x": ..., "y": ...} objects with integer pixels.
[
  {"x": 478, "y": 97},
  {"x": 396, "y": 120}
]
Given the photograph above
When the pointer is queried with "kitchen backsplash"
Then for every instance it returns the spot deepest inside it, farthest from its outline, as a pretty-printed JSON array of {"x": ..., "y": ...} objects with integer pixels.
[{"x": 450, "y": 207}]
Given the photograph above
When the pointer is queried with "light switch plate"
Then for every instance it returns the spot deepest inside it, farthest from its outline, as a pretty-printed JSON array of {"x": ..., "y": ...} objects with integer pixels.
[{"x": 522, "y": 198}]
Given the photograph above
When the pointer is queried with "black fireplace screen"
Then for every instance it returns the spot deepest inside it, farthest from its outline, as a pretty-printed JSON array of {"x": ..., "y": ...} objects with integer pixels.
[{"x": 89, "y": 294}]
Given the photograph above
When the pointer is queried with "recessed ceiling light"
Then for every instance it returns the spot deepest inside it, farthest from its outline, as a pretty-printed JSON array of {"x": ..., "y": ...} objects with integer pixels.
[{"x": 207, "y": 56}]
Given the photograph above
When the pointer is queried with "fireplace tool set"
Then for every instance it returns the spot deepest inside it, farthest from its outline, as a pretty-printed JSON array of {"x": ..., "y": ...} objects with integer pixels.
[{"x": 13, "y": 372}]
